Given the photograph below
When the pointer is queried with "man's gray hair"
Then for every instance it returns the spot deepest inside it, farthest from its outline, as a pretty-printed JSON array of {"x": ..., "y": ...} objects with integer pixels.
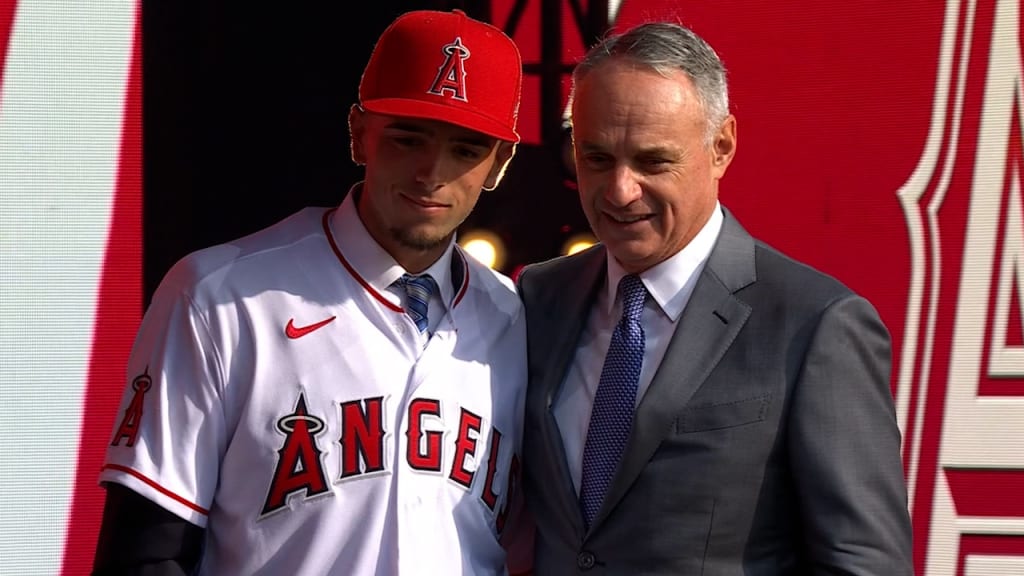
[{"x": 666, "y": 47}]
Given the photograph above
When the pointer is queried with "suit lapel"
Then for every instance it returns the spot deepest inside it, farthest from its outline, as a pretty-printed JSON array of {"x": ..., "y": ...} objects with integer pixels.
[
  {"x": 707, "y": 328},
  {"x": 568, "y": 299},
  {"x": 569, "y": 313}
]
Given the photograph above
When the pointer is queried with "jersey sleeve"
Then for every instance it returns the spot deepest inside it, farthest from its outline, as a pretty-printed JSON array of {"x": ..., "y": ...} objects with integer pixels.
[{"x": 169, "y": 432}]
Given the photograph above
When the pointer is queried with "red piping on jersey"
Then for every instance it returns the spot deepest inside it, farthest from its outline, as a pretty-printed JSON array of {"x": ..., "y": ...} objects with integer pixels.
[
  {"x": 465, "y": 279},
  {"x": 337, "y": 252},
  {"x": 158, "y": 487},
  {"x": 366, "y": 285}
]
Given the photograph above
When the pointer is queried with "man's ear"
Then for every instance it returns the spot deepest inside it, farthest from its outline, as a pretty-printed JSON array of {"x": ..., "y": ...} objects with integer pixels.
[
  {"x": 723, "y": 147},
  {"x": 506, "y": 150},
  {"x": 356, "y": 129}
]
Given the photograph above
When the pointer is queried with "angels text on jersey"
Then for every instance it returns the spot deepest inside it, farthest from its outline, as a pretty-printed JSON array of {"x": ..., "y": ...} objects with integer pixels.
[{"x": 430, "y": 444}]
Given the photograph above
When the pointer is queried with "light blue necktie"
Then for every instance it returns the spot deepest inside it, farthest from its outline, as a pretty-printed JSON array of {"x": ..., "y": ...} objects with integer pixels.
[
  {"x": 418, "y": 288},
  {"x": 612, "y": 416}
]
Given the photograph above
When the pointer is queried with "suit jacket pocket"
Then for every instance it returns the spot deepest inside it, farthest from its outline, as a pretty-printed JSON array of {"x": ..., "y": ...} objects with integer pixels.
[{"x": 723, "y": 415}]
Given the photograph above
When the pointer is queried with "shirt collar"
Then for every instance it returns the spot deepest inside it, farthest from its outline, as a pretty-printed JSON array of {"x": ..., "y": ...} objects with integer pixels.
[
  {"x": 371, "y": 262},
  {"x": 668, "y": 280}
]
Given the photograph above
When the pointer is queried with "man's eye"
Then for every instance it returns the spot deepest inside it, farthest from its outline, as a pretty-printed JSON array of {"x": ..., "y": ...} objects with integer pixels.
[
  {"x": 597, "y": 160},
  {"x": 468, "y": 153},
  {"x": 655, "y": 164},
  {"x": 405, "y": 140}
]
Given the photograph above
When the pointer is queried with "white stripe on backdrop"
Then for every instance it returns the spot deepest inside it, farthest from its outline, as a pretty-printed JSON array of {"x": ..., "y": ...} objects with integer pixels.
[{"x": 62, "y": 98}]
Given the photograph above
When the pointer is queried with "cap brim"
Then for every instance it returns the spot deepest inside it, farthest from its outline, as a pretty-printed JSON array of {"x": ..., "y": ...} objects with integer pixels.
[{"x": 443, "y": 113}]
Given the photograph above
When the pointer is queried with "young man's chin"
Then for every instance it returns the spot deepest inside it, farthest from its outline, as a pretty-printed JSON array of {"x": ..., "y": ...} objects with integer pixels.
[{"x": 421, "y": 237}]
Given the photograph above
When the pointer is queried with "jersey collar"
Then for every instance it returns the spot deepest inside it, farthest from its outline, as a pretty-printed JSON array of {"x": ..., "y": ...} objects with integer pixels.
[{"x": 373, "y": 267}]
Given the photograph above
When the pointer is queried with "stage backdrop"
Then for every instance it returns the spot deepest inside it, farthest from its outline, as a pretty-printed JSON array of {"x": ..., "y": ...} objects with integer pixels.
[
  {"x": 879, "y": 141},
  {"x": 70, "y": 266}
]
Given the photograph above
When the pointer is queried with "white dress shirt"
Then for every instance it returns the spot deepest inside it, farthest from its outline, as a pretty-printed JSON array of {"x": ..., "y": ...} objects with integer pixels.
[{"x": 670, "y": 284}]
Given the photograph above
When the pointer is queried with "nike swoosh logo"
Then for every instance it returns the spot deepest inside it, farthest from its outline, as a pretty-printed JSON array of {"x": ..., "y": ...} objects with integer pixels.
[{"x": 292, "y": 331}]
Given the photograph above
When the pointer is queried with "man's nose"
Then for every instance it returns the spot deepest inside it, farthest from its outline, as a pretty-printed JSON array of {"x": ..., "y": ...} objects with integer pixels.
[
  {"x": 623, "y": 186},
  {"x": 431, "y": 168}
]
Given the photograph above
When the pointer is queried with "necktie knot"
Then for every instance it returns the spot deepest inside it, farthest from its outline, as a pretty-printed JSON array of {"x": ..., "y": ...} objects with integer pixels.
[
  {"x": 633, "y": 295},
  {"x": 418, "y": 290}
]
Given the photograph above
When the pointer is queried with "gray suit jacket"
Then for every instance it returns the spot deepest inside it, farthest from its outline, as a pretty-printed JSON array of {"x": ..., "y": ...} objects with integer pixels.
[{"x": 767, "y": 443}]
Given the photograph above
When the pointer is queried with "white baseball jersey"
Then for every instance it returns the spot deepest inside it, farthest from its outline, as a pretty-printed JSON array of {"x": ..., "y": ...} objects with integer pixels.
[{"x": 279, "y": 395}]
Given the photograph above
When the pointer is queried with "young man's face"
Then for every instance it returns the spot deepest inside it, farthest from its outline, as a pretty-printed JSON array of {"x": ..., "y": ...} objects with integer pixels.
[{"x": 423, "y": 178}]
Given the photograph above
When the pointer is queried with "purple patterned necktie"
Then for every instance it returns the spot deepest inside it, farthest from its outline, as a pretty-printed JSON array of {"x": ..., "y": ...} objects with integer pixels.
[{"x": 612, "y": 416}]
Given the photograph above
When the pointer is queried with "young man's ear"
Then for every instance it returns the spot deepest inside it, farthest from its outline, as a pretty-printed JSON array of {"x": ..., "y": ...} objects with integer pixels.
[
  {"x": 356, "y": 128},
  {"x": 506, "y": 150}
]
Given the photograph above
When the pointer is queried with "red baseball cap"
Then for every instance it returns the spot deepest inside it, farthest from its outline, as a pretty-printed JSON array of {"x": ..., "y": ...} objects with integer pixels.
[{"x": 445, "y": 66}]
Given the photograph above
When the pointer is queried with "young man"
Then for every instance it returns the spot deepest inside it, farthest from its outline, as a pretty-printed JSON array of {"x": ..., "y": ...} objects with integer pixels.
[
  {"x": 342, "y": 392},
  {"x": 699, "y": 403}
]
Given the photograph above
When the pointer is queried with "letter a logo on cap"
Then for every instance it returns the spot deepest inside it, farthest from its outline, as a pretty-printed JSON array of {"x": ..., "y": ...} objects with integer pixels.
[{"x": 451, "y": 76}]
